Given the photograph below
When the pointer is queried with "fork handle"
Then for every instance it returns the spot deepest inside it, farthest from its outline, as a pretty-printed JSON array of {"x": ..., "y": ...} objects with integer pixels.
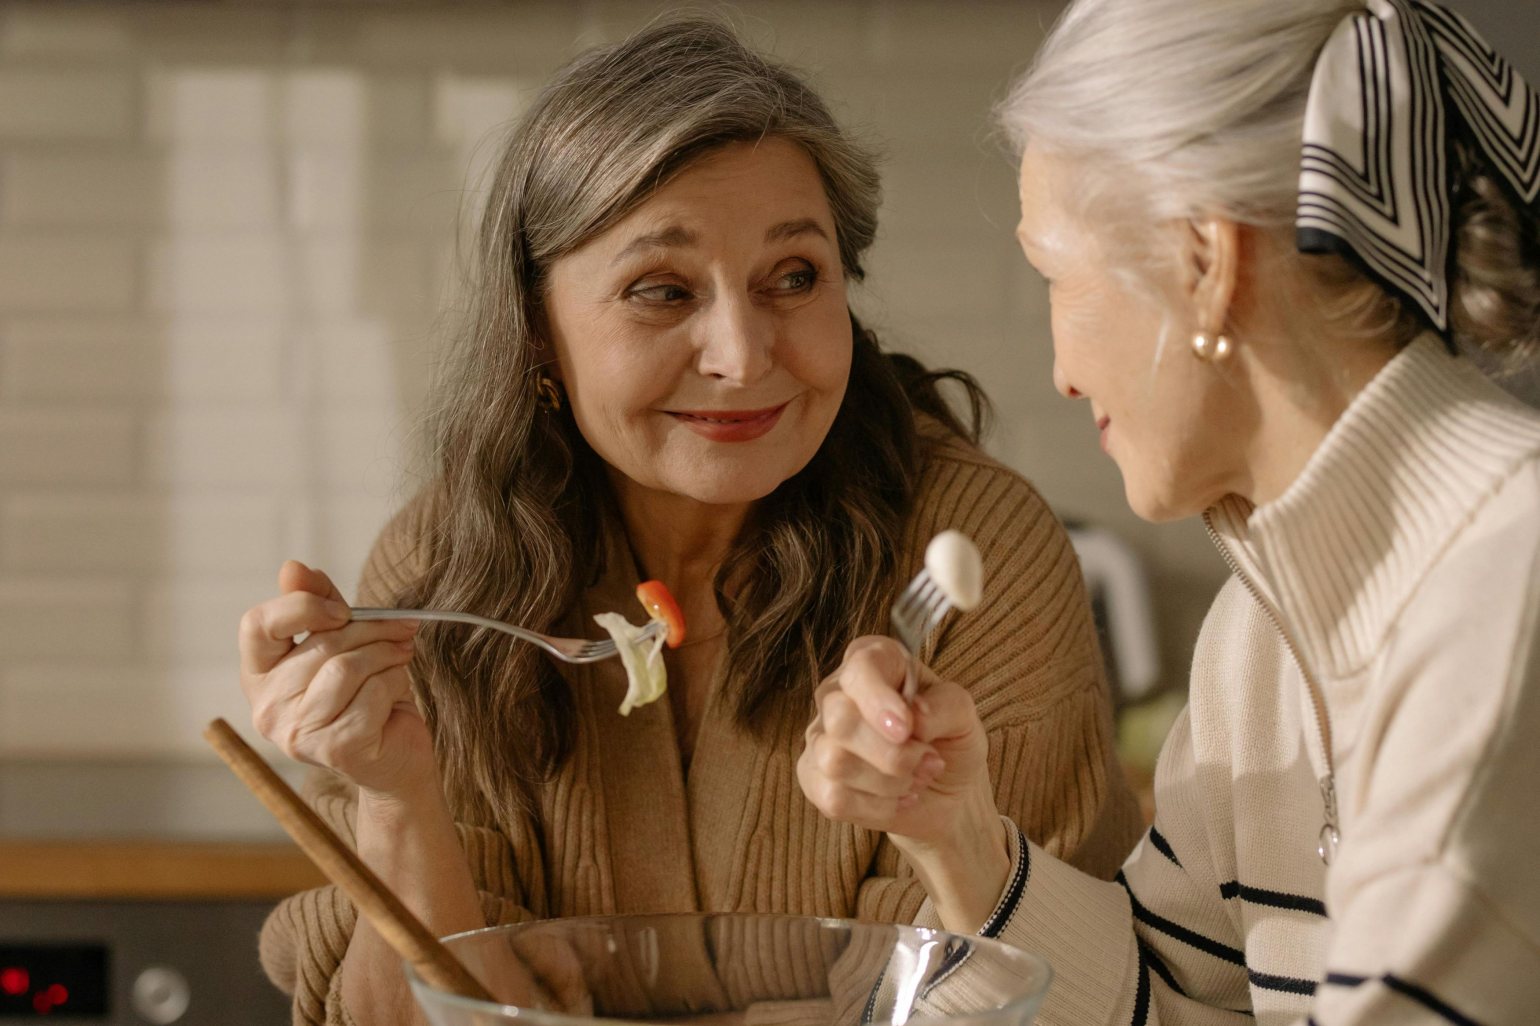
[
  {"x": 380, "y": 613},
  {"x": 911, "y": 677}
]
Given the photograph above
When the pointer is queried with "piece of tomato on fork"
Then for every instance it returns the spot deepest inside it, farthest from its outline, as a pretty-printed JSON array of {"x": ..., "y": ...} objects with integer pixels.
[{"x": 660, "y": 605}]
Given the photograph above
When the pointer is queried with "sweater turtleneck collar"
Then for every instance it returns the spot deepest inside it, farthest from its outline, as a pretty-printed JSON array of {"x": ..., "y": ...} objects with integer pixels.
[{"x": 1413, "y": 457}]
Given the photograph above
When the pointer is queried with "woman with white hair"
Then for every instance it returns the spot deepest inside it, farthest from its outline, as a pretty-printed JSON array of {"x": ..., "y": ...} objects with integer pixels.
[{"x": 1269, "y": 228}]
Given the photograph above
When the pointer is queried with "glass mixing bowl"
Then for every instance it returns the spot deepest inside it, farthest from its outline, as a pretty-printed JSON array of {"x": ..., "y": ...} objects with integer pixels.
[{"x": 753, "y": 970}]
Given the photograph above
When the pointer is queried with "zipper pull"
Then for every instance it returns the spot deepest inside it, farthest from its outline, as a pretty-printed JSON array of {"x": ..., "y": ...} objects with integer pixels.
[{"x": 1326, "y": 843}]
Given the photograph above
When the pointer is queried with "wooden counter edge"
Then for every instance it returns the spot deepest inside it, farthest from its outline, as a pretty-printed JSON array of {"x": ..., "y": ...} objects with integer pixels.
[{"x": 153, "y": 870}]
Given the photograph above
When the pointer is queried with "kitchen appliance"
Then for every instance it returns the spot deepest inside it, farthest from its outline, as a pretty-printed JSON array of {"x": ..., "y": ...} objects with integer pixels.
[
  {"x": 1125, "y": 616},
  {"x": 135, "y": 963},
  {"x": 102, "y": 960}
]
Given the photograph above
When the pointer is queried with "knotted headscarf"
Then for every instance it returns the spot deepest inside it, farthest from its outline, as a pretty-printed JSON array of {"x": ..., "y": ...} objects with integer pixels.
[{"x": 1392, "y": 87}]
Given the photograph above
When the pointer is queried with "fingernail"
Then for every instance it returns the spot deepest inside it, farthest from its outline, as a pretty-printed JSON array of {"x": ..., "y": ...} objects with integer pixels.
[
  {"x": 407, "y": 646},
  {"x": 931, "y": 766},
  {"x": 412, "y": 625},
  {"x": 922, "y": 706},
  {"x": 337, "y": 610},
  {"x": 895, "y": 727},
  {"x": 908, "y": 801}
]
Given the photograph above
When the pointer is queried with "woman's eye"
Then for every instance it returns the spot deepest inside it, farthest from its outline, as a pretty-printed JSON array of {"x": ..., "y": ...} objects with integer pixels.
[
  {"x": 665, "y": 293},
  {"x": 800, "y": 280}
]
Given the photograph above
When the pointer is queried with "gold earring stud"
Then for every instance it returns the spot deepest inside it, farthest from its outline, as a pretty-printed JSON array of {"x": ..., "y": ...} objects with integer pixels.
[
  {"x": 1211, "y": 348},
  {"x": 548, "y": 394}
]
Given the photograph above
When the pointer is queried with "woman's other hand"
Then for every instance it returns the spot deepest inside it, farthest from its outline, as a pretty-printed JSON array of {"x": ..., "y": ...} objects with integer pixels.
[
  {"x": 332, "y": 692},
  {"x": 917, "y": 773}
]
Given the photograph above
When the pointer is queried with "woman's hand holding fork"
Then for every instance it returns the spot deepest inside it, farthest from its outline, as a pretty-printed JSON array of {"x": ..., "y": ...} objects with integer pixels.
[
  {"x": 917, "y": 772},
  {"x": 333, "y": 692}
]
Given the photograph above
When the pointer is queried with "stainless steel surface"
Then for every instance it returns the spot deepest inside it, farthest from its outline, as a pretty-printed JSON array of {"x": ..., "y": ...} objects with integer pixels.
[
  {"x": 189, "y": 963},
  {"x": 161, "y": 995},
  {"x": 200, "y": 957}
]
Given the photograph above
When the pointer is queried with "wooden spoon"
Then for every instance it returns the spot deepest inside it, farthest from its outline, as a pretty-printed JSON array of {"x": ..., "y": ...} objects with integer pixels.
[{"x": 376, "y": 902}]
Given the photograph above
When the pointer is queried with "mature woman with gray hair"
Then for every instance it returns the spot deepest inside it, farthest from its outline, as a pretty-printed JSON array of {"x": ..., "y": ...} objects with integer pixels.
[
  {"x": 660, "y": 377},
  {"x": 1270, "y": 230}
]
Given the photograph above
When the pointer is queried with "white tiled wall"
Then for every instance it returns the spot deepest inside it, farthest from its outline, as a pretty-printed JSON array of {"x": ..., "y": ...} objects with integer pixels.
[{"x": 225, "y": 238}]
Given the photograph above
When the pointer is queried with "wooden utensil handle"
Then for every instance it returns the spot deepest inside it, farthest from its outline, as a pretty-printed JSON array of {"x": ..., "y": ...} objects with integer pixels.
[{"x": 374, "y": 901}]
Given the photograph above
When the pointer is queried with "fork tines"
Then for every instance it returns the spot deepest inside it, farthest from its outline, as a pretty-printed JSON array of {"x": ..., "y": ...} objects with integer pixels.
[{"x": 919, "y": 609}]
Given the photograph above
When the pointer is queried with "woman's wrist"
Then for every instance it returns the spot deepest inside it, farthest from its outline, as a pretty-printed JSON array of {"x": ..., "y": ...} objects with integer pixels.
[
  {"x": 964, "y": 869},
  {"x": 409, "y": 839},
  {"x": 422, "y": 796}
]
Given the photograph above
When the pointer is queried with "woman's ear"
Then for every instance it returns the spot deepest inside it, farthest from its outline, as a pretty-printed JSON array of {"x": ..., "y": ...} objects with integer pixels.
[{"x": 1213, "y": 258}]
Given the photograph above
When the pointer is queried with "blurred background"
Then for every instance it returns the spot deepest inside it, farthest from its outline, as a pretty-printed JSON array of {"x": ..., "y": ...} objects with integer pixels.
[{"x": 228, "y": 248}]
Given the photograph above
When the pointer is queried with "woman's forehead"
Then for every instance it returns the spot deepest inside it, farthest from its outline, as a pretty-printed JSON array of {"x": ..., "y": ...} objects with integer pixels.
[
  {"x": 1043, "y": 216},
  {"x": 771, "y": 187}
]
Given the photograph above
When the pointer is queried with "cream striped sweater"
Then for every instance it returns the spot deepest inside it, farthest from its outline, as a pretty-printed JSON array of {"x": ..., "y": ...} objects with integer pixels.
[
  {"x": 621, "y": 829},
  {"x": 1401, "y": 573}
]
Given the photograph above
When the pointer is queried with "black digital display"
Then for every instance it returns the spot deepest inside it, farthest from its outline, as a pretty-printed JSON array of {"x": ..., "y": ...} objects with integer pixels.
[{"x": 64, "y": 980}]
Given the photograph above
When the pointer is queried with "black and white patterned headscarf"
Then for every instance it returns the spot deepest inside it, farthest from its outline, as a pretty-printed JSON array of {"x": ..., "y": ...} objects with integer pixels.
[{"x": 1391, "y": 87}]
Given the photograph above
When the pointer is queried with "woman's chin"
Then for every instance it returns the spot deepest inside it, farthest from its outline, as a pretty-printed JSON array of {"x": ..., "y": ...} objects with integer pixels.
[
  {"x": 729, "y": 492},
  {"x": 1157, "y": 505},
  {"x": 734, "y": 479}
]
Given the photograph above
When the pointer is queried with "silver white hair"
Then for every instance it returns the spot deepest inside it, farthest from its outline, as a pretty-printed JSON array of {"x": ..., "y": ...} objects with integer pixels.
[
  {"x": 1175, "y": 109},
  {"x": 1202, "y": 102}
]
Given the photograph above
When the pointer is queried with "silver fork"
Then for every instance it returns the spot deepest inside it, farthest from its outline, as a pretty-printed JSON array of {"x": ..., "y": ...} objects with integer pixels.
[
  {"x": 570, "y": 650},
  {"x": 916, "y": 613}
]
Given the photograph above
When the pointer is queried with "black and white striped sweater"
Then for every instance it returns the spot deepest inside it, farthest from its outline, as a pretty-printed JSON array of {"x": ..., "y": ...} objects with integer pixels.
[{"x": 1398, "y": 579}]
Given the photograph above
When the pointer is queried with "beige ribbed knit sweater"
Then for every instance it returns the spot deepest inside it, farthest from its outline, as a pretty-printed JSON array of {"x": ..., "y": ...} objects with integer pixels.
[
  {"x": 1398, "y": 577},
  {"x": 622, "y": 829}
]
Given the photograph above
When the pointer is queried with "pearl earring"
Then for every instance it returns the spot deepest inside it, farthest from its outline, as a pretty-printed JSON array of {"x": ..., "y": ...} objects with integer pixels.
[{"x": 1211, "y": 348}]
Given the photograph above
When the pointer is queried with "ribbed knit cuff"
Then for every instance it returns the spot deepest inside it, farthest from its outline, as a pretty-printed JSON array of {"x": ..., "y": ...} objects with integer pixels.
[
  {"x": 1010, "y": 897},
  {"x": 1016, "y": 883},
  {"x": 1083, "y": 927}
]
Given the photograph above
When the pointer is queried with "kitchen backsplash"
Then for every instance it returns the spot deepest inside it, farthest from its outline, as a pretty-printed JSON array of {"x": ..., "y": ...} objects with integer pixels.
[{"x": 227, "y": 238}]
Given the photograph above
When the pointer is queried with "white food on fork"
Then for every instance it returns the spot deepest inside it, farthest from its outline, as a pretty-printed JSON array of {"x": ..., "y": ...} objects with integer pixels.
[
  {"x": 953, "y": 562},
  {"x": 641, "y": 653}
]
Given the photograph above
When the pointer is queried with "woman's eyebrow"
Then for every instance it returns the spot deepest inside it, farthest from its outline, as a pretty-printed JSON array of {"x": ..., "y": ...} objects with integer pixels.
[
  {"x": 667, "y": 238},
  {"x": 791, "y": 229},
  {"x": 675, "y": 237}
]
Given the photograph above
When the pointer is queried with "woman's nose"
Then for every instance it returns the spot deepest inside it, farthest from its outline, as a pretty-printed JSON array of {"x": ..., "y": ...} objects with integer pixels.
[{"x": 737, "y": 341}]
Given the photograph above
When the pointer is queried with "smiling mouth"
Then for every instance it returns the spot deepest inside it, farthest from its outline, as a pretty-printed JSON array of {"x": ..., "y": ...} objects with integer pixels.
[
  {"x": 731, "y": 425},
  {"x": 728, "y": 416}
]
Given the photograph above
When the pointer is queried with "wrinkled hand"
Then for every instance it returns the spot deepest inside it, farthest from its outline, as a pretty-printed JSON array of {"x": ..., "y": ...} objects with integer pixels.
[
  {"x": 914, "y": 773},
  {"x": 339, "y": 696}
]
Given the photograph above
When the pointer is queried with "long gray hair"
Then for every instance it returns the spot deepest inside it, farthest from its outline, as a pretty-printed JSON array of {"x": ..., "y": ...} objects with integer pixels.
[
  {"x": 1174, "y": 110},
  {"x": 521, "y": 501}
]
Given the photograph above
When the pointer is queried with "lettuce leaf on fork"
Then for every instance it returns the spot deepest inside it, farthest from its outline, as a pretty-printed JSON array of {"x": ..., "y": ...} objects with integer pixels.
[{"x": 646, "y": 676}]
